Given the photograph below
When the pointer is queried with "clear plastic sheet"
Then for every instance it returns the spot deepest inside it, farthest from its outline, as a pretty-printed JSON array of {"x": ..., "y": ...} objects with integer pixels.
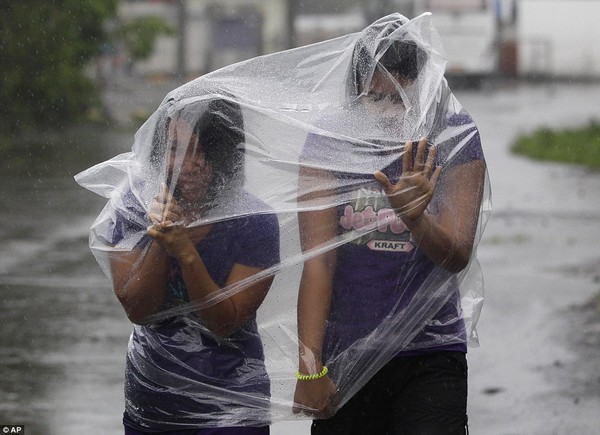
[{"x": 246, "y": 165}]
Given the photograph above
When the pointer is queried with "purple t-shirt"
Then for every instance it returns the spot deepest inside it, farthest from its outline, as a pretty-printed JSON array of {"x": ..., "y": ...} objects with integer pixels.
[
  {"x": 181, "y": 349},
  {"x": 378, "y": 274}
]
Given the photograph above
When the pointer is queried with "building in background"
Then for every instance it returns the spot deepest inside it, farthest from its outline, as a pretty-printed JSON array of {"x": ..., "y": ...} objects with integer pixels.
[
  {"x": 470, "y": 33},
  {"x": 482, "y": 38},
  {"x": 558, "y": 38},
  {"x": 540, "y": 39},
  {"x": 210, "y": 33}
]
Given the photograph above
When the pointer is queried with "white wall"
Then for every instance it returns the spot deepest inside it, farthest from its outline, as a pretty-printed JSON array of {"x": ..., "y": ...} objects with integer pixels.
[
  {"x": 559, "y": 37},
  {"x": 468, "y": 39},
  {"x": 468, "y": 32}
]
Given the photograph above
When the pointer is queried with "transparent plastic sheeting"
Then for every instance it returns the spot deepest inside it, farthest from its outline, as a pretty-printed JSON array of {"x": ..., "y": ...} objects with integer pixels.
[{"x": 228, "y": 163}]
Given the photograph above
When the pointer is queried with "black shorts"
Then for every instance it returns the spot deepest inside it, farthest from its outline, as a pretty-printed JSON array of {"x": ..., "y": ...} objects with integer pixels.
[{"x": 416, "y": 395}]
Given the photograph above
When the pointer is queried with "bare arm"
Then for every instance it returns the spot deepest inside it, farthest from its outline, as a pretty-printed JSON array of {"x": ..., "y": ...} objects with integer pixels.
[
  {"x": 314, "y": 300},
  {"x": 140, "y": 280},
  {"x": 140, "y": 277}
]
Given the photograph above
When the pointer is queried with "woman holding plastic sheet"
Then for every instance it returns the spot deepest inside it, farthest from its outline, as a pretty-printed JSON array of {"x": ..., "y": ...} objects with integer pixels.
[
  {"x": 195, "y": 359},
  {"x": 350, "y": 295}
]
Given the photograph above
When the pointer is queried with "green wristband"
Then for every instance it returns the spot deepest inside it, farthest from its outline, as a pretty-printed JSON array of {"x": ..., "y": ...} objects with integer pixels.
[{"x": 302, "y": 377}]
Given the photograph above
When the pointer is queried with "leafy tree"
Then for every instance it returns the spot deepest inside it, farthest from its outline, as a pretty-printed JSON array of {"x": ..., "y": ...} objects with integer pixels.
[
  {"x": 138, "y": 36},
  {"x": 44, "y": 48}
]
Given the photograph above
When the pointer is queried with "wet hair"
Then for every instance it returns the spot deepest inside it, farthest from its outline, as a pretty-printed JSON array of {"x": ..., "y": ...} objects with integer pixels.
[
  {"x": 403, "y": 57},
  {"x": 220, "y": 130},
  {"x": 219, "y": 125}
]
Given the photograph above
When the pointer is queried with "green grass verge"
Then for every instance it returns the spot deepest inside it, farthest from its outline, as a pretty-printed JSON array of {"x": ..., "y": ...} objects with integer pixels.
[{"x": 579, "y": 146}]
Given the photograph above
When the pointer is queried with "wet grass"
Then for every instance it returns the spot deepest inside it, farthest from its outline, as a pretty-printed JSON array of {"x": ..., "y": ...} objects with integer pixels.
[
  {"x": 580, "y": 146},
  {"x": 515, "y": 239}
]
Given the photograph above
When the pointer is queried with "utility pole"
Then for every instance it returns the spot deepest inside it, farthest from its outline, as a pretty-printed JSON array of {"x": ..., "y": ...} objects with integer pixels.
[
  {"x": 292, "y": 11},
  {"x": 181, "y": 39}
]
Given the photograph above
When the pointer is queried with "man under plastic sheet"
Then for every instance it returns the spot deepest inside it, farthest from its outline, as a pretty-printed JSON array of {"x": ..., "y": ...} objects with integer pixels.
[
  {"x": 320, "y": 205},
  {"x": 420, "y": 235}
]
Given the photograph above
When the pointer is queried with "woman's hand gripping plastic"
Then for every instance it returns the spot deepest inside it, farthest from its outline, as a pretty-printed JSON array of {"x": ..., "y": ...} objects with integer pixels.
[
  {"x": 169, "y": 226},
  {"x": 410, "y": 196}
]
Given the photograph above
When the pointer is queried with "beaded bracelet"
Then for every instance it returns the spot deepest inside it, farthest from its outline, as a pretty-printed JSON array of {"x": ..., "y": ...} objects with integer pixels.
[{"x": 312, "y": 377}]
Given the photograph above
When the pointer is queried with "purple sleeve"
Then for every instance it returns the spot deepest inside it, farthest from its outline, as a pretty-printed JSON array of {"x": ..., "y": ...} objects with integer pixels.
[
  {"x": 259, "y": 241},
  {"x": 462, "y": 144},
  {"x": 126, "y": 220}
]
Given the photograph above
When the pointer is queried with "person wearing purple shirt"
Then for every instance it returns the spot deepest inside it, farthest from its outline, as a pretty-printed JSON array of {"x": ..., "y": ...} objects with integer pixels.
[
  {"x": 426, "y": 222},
  {"x": 201, "y": 368}
]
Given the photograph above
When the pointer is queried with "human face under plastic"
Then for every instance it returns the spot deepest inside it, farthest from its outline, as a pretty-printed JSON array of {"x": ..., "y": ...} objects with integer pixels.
[
  {"x": 386, "y": 92},
  {"x": 188, "y": 167}
]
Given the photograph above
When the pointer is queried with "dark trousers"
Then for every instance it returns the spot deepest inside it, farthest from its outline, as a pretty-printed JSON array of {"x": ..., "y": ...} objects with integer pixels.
[{"x": 416, "y": 395}]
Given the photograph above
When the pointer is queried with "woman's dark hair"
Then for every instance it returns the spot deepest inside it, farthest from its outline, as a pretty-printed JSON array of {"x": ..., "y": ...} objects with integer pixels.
[
  {"x": 221, "y": 130},
  {"x": 373, "y": 49},
  {"x": 219, "y": 125}
]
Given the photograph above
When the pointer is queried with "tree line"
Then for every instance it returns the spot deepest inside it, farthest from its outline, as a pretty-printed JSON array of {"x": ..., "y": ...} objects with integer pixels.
[{"x": 45, "y": 47}]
